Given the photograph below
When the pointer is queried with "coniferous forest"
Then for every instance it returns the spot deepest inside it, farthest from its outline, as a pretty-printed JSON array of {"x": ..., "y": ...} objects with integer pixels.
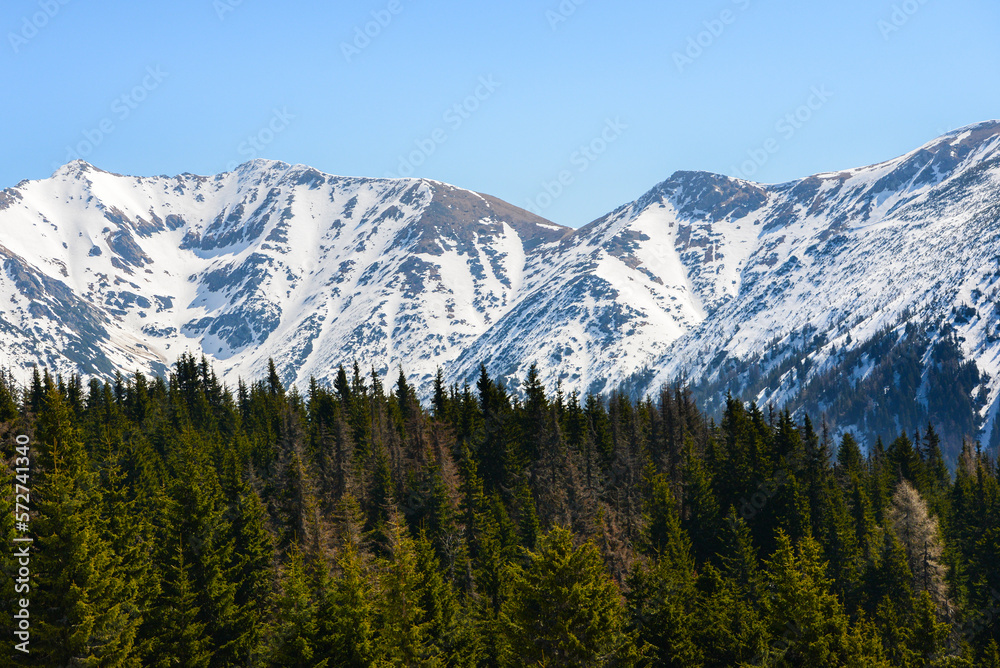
[{"x": 181, "y": 522}]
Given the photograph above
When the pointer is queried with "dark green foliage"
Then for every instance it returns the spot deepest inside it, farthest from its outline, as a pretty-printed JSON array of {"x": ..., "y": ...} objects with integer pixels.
[
  {"x": 662, "y": 594},
  {"x": 179, "y": 523},
  {"x": 293, "y": 639},
  {"x": 563, "y": 609},
  {"x": 8, "y": 398},
  {"x": 85, "y": 608}
]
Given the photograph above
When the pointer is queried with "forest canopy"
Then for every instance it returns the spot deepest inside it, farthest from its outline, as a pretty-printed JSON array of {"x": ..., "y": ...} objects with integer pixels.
[{"x": 181, "y": 522}]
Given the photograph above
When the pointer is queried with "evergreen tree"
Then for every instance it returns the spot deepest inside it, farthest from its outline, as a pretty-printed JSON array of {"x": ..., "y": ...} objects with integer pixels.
[
  {"x": 726, "y": 627},
  {"x": 180, "y": 525},
  {"x": 130, "y": 533},
  {"x": 807, "y": 623},
  {"x": 936, "y": 478},
  {"x": 661, "y": 595},
  {"x": 849, "y": 458},
  {"x": 346, "y": 618},
  {"x": 8, "y": 403},
  {"x": 84, "y": 607},
  {"x": 194, "y": 518},
  {"x": 9, "y": 562},
  {"x": 180, "y": 638},
  {"x": 904, "y": 463},
  {"x": 252, "y": 573},
  {"x": 701, "y": 518},
  {"x": 739, "y": 557},
  {"x": 402, "y": 621},
  {"x": 293, "y": 639},
  {"x": 926, "y": 637},
  {"x": 495, "y": 454},
  {"x": 563, "y": 610}
]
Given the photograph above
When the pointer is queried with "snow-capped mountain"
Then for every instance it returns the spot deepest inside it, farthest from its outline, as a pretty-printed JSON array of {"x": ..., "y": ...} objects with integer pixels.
[
  {"x": 878, "y": 278},
  {"x": 793, "y": 294},
  {"x": 105, "y": 272}
]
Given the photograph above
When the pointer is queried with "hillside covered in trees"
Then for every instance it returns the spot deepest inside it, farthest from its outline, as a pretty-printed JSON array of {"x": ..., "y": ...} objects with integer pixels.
[{"x": 179, "y": 522}]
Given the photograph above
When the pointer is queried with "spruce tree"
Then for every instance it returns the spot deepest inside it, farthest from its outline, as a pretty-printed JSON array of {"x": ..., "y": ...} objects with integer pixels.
[
  {"x": 252, "y": 573},
  {"x": 180, "y": 638},
  {"x": 83, "y": 605},
  {"x": 293, "y": 640},
  {"x": 661, "y": 595},
  {"x": 8, "y": 394},
  {"x": 193, "y": 516},
  {"x": 402, "y": 620},
  {"x": 725, "y": 626},
  {"x": 563, "y": 609},
  {"x": 701, "y": 517},
  {"x": 9, "y": 565},
  {"x": 738, "y": 557},
  {"x": 807, "y": 623},
  {"x": 347, "y": 616},
  {"x": 849, "y": 458}
]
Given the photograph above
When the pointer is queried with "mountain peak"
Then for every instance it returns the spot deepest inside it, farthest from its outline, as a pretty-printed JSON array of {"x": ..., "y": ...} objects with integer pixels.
[
  {"x": 698, "y": 278},
  {"x": 962, "y": 141},
  {"x": 988, "y": 126},
  {"x": 75, "y": 168},
  {"x": 706, "y": 194}
]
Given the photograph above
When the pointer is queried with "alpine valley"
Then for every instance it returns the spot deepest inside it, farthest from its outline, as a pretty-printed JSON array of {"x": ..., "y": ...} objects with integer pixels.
[{"x": 869, "y": 296}]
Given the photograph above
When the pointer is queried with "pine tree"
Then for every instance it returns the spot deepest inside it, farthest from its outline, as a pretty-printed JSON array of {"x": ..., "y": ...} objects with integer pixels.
[
  {"x": 346, "y": 617},
  {"x": 293, "y": 639},
  {"x": 402, "y": 626},
  {"x": 180, "y": 639},
  {"x": 563, "y": 610},
  {"x": 84, "y": 607},
  {"x": 807, "y": 623}
]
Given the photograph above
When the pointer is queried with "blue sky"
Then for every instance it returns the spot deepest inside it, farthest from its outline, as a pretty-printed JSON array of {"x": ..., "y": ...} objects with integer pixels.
[{"x": 570, "y": 108}]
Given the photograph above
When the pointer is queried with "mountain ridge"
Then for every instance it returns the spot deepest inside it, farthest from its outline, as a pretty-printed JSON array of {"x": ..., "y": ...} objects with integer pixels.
[{"x": 701, "y": 274}]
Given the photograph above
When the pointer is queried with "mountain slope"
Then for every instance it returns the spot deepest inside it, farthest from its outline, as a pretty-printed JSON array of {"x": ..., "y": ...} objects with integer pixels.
[
  {"x": 783, "y": 292},
  {"x": 106, "y": 271},
  {"x": 826, "y": 293}
]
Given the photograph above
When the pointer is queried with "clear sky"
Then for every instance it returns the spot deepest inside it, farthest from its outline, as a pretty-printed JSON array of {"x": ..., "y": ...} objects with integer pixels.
[{"x": 571, "y": 108}]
